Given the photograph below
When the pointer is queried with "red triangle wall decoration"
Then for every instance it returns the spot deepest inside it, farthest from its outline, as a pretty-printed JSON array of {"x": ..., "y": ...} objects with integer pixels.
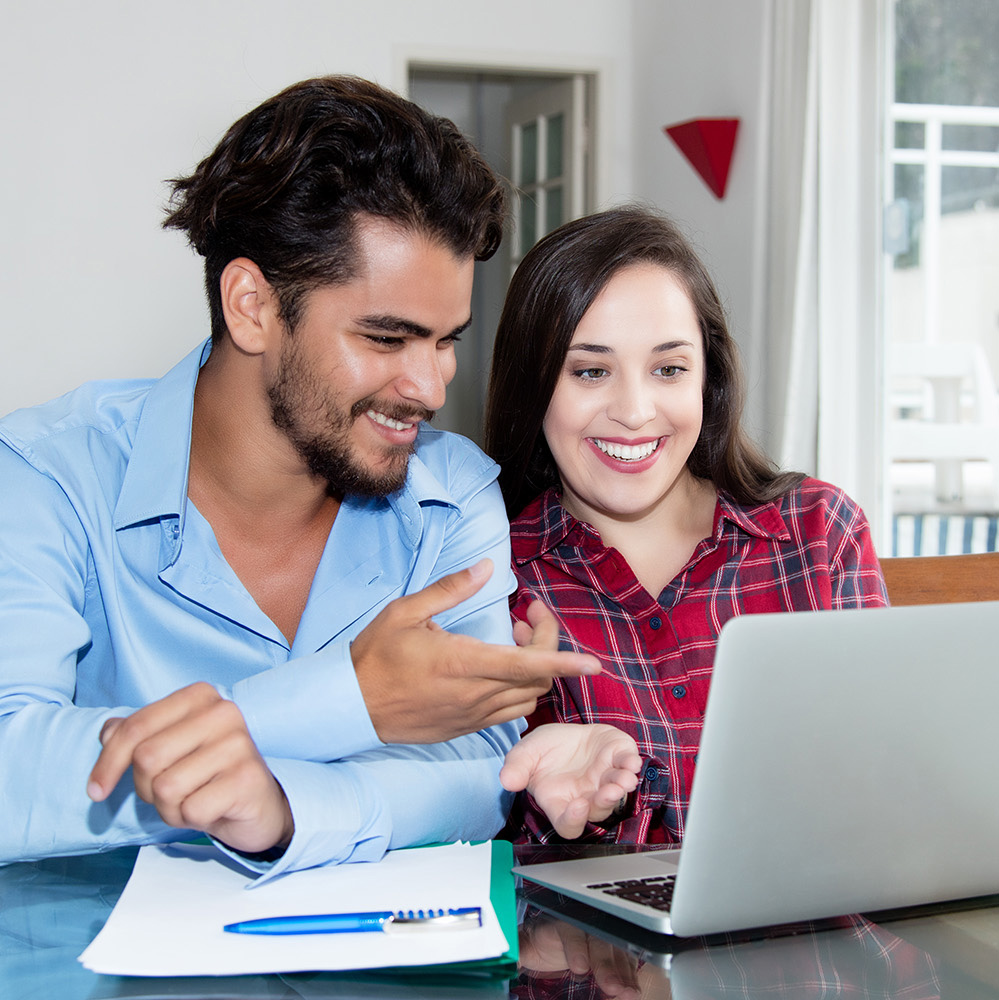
[{"x": 708, "y": 143}]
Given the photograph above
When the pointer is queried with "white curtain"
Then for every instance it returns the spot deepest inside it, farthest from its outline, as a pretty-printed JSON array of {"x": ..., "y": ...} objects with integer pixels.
[
  {"x": 790, "y": 292},
  {"x": 821, "y": 328}
]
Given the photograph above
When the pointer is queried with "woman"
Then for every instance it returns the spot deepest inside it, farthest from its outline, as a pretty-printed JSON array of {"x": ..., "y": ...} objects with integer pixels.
[{"x": 641, "y": 513}]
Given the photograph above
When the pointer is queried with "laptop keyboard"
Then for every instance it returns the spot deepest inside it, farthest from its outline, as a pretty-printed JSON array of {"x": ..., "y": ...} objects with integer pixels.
[{"x": 655, "y": 891}]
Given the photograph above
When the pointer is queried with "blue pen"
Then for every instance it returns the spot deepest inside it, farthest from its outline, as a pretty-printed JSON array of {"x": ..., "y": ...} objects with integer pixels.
[{"x": 464, "y": 918}]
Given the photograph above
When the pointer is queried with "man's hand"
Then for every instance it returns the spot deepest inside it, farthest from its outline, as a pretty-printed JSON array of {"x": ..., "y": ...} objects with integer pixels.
[
  {"x": 422, "y": 684},
  {"x": 193, "y": 759},
  {"x": 576, "y": 773}
]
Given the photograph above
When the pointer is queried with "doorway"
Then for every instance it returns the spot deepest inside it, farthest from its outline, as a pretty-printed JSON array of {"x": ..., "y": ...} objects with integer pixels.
[{"x": 535, "y": 129}]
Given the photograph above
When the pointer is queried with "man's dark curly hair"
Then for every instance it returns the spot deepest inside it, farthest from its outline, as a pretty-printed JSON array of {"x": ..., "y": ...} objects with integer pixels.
[{"x": 288, "y": 181}]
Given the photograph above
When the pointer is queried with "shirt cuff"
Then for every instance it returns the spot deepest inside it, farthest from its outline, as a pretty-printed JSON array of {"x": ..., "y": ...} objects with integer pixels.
[
  {"x": 308, "y": 709},
  {"x": 337, "y": 819}
]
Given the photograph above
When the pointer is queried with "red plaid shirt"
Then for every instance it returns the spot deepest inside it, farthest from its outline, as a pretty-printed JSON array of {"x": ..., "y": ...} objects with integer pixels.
[{"x": 809, "y": 550}]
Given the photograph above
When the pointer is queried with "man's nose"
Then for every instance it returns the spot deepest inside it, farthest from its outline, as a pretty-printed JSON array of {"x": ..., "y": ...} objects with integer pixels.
[{"x": 426, "y": 375}]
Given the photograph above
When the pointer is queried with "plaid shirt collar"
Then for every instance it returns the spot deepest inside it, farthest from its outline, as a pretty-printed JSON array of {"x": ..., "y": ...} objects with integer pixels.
[{"x": 545, "y": 524}]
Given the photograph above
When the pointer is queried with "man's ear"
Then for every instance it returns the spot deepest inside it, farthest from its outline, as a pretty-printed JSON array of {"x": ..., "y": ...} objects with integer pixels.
[{"x": 249, "y": 305}]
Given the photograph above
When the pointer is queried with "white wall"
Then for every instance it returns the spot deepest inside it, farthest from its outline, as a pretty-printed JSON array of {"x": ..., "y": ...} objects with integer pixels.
[
  {"x": 708, "y": 60},
  {"x": 104, "y": 100}
]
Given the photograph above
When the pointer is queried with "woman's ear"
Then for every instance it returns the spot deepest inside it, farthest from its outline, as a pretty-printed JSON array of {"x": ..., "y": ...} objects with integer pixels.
[{"x": 249, "y": 305}]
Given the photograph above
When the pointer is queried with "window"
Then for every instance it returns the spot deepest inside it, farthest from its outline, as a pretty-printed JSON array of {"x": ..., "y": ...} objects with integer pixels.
[{"x": 942, "y": 292}]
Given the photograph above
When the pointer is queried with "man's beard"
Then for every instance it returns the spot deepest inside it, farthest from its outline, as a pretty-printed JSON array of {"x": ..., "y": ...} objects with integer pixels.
[{"x": 319, "y": 428}]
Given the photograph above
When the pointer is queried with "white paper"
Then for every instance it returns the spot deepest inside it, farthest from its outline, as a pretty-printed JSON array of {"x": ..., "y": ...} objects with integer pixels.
[{"x": 169, "y": 919}]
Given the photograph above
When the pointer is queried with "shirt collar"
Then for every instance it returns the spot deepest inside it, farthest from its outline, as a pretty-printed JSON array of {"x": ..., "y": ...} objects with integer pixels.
[
  {"x": 764, "y": 520},
  {"x": 155, "y": 483},
  {"x": 422, "y": 488},
  {"x": 545, "y": 524}
]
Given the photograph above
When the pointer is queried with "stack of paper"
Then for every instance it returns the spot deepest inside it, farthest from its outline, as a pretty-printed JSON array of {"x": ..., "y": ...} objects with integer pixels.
[{"x": 169, "y": 919}]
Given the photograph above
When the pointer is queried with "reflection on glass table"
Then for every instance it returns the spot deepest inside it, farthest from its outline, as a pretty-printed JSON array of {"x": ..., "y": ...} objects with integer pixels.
[
  {"x": 570, "y": 951},
  {"x": 50, "y": 911}
]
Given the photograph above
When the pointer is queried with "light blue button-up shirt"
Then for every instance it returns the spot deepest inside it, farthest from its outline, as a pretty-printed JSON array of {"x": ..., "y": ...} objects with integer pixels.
[{"x": 114, "y": 593}]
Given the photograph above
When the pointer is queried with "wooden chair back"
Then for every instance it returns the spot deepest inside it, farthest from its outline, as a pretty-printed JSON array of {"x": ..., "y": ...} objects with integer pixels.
[{"x": 942, "y": 579}]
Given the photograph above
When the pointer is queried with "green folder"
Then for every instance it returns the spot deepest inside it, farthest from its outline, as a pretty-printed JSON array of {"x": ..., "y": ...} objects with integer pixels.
[{"x": 503, "y": 896}]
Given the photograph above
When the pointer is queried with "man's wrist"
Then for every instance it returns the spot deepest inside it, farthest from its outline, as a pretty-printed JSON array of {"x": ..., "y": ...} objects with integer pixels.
[{"x": 272, "y": 854}]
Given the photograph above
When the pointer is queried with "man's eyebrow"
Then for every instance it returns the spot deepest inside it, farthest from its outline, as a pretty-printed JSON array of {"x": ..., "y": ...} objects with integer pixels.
[
  {"x": 396, "y": 324},
  {"x": 671, "y": 345}
]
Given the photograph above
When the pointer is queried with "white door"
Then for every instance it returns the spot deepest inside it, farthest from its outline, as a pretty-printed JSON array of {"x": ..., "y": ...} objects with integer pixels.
[
  {"x": 548, "y": 137},
  {"x": 547, "y": 118}
]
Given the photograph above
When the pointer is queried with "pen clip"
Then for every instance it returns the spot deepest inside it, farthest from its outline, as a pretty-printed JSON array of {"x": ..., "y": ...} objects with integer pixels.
[{"x": 463, "y": 918}]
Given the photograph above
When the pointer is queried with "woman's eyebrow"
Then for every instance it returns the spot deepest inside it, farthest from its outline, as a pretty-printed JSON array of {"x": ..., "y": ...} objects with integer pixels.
[
  {"x": 592, "y": 348},
  {"x": 671, "y": 345}
]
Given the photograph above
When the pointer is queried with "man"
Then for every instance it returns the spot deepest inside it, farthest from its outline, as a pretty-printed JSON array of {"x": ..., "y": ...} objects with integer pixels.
[{"x": 258, "y": 598}]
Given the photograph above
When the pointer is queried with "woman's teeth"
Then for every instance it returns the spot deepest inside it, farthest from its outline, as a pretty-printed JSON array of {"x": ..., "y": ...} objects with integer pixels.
[{"x": 627, "y": 452}]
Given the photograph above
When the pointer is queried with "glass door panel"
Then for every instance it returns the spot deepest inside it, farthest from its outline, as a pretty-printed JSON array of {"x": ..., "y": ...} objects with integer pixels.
[{"x": 942, "y": 235}]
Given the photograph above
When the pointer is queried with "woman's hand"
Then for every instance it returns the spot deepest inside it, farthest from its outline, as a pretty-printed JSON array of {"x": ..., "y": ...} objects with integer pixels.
[{"x": 577, "y": 774}]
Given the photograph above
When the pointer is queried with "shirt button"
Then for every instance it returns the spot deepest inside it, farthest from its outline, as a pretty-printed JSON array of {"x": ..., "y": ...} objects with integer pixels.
[
  {"x": 679, "y": 691},
  {"x": 656, "y": 622},
  {"x": 651, "y": 773}
]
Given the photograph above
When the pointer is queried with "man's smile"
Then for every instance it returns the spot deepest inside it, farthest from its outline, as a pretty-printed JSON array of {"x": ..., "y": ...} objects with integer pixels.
[{"x": 390, "y": 422}]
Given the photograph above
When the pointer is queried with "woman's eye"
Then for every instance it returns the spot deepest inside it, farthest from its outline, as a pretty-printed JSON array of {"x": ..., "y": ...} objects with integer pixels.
[
  {"x": 669, "y": 371},
  {"x": 589, "y": 374}
]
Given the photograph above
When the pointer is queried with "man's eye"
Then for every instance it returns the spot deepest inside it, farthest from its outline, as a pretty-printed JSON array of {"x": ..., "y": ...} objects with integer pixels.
[{"x": 383, "y": 341}]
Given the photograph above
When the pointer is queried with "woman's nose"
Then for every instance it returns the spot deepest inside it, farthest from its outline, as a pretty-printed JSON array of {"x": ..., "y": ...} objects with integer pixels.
[{"x": 632, "y": 405}]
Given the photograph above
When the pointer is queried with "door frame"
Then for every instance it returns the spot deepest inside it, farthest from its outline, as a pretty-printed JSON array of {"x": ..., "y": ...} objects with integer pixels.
[
  {"x": 466, "y": 396},
  {"x": 406, "y": 58}
]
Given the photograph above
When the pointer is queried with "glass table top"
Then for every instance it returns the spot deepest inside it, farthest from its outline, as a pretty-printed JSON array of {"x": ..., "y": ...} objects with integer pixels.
[{"x": 51, "y": 910}]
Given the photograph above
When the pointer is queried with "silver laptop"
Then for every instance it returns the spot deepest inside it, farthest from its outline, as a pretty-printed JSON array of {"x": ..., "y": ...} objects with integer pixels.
[{"x": 849, "y": 763}]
